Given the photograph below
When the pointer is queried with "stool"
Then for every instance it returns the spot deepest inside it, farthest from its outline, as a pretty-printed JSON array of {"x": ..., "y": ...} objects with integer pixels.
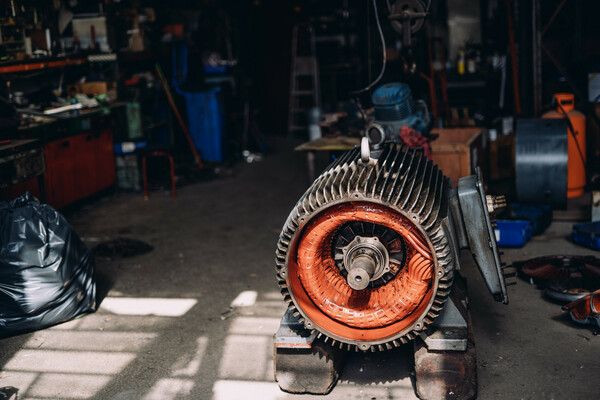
[{"x": 158, "y": 153}]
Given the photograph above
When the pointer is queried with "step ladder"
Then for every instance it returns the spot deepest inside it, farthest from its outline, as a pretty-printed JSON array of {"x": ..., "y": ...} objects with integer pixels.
[{"x": 304, "y": 79}]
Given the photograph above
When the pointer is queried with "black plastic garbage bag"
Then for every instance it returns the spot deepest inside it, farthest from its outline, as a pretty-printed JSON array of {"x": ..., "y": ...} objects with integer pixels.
[{"x": 46, "y": 272}]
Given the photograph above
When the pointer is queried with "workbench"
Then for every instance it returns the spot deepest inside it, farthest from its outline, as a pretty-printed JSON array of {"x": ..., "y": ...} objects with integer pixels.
[
  {"x": 79, "y": 158},
  {"x": 337, "y": 143},
  {"x": 21, "y": 160}
]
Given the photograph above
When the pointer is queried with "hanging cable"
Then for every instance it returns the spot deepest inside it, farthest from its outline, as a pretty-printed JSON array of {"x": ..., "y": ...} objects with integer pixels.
[
  {"x": 384, "y": 52},
  {"x": 369, "y": 67},
  {"x": 571, "y": 130}
]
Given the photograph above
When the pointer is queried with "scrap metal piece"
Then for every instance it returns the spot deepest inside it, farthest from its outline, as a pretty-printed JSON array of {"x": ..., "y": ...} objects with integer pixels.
[
  {"x": 564, "y": 277},
  {"x": 555, "y": 267},
  {"x": 585, "y": 310},
  {"x": 560, "y": 292}
]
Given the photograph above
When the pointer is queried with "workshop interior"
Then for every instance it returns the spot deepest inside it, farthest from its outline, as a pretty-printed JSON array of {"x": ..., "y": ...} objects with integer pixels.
[{"x": 275, "y": 200}]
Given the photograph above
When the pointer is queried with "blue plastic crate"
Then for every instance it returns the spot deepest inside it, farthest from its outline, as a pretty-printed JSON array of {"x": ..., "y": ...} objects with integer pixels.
[
  {"x": 128, "y": 147},
  {"x": 587, "y": 234},
  {"x": 512, "y": 233},
  {"x": 540, "y": 215},
  {"x": 216, "y": 69}
]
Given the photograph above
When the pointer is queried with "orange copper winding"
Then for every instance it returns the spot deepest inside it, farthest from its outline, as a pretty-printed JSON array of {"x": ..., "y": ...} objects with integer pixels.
[{"x": 327, "y": 299}]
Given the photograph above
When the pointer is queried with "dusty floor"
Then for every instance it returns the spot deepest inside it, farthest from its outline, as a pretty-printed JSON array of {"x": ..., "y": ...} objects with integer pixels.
[{"x": 165, "y": 329}]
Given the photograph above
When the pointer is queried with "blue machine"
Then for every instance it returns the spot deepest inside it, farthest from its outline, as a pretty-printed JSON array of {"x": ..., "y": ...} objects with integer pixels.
[{"x": 394, "y": 108}]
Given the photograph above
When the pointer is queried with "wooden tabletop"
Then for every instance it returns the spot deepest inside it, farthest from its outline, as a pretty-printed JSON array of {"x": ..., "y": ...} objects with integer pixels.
[{"x": 330, "y": 143}]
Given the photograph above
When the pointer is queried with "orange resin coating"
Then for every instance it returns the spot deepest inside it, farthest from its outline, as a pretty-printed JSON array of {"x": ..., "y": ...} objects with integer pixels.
[{"x": 373, "y": 313}]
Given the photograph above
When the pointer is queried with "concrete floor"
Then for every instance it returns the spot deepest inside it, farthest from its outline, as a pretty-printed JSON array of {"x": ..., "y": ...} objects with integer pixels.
[{"x": 167, "y": 329}]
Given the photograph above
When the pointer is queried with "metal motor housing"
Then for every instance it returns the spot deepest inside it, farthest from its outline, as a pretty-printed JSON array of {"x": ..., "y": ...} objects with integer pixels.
[
  {"x": 366, "y": 258},
  {"x": 395, "y": 108}
]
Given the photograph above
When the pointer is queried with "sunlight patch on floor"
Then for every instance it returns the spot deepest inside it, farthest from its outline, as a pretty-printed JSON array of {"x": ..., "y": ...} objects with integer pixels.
[
  {"x": 170, "y": 388},
  {"x": 245, "y": 299},
  {"x": 245, "y": 357},
  {"x": 80, "y": 386},
  {"x": 77, "y": 359},
  {"x": 89, "y": 341},
  {"x": 87, "y": 362},
  {"x": 247, "y": 390},
  {"x": 148, "y": 306}
]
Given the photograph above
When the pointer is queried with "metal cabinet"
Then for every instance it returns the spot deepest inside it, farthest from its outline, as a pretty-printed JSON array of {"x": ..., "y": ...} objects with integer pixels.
[{"x": 77, "y": 166}]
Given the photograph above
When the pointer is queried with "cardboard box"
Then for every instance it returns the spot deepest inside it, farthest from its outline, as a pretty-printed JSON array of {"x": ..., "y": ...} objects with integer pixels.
[
  {"x": 502, "y": 157},
  {"x": 91, "y": 88},
  {"x": 457, "y": 151}
]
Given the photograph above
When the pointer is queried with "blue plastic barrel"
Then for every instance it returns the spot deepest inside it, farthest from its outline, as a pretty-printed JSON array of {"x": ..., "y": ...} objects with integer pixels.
[
  {"x": 204, "y": 109},
  {"x": 205, "y": 121},
  {"x": 587, "y": 234}
]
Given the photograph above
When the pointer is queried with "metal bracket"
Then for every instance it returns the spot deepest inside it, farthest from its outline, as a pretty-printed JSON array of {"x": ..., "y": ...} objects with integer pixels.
[
  {"x": 292, "y": 334},
  {"x": 480, "y": 234},
  {"x": 451, "y": 328}
]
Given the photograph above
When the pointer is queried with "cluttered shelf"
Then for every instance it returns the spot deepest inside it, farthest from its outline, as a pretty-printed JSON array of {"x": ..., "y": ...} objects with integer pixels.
[
  {"x": 39, "y": 63},
  {"x": 33, "y": 123}
]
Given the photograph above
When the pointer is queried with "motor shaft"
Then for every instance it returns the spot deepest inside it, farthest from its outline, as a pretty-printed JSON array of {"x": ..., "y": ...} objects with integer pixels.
[{"x": 361, "y": 271}]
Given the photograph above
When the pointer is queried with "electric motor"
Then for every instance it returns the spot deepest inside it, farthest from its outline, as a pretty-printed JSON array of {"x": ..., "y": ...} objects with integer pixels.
[
  {"x": 395, "y": 108},
  {"x": 367, "y": 256}
]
